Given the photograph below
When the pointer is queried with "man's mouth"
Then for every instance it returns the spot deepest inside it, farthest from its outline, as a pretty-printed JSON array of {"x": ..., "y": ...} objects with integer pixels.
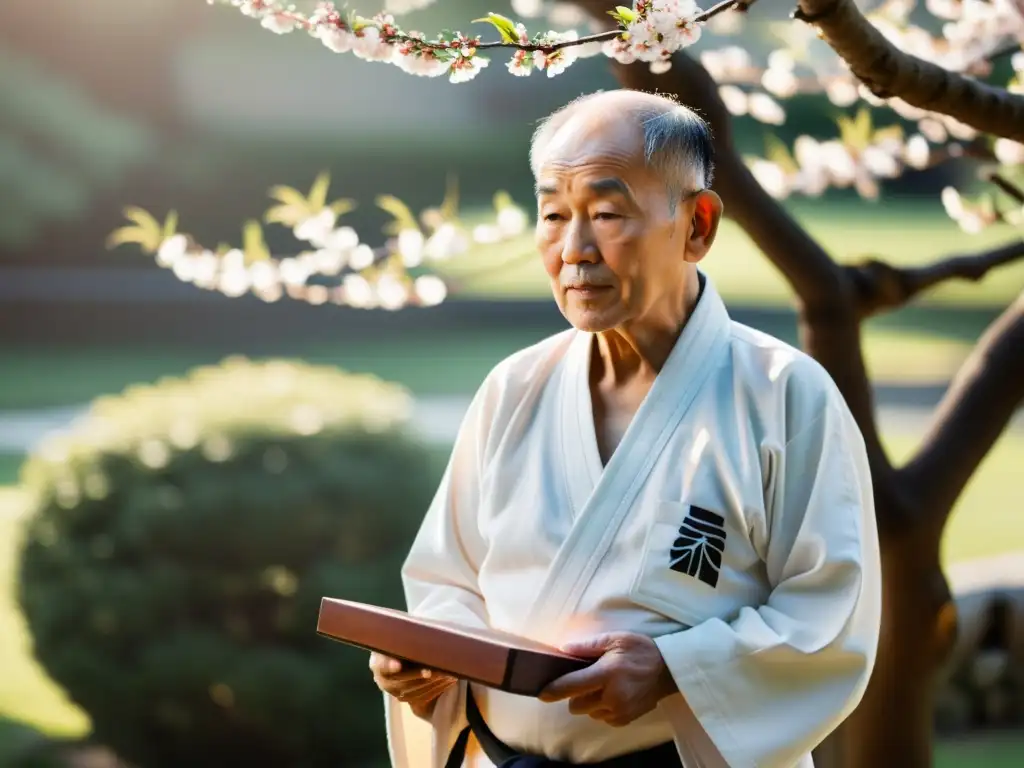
[{"x": 589, "y": 290}]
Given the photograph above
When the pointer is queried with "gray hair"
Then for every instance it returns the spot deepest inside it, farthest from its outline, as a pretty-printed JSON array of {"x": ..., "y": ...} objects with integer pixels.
[{"x": 678, "y": 144}]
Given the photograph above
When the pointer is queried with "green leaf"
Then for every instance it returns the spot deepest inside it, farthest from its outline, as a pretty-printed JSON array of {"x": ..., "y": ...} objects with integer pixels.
[
  {"x": 145, "y": 231},
  {"x": 450, "y": 205},
  {"x": 863, "y": 121},
  {"x": 253, "y": 245},
  {"x": 141, "y": 217},
  {"x": 777, "y": 152},
  {"x": 342, "y": 206},
  {"x": 287, "y": 195},
  {"x": 624, "y": 15},
  {"x": 286, "y": 215},
  {"x": 856, "y": 133},
  {"x": 503, "y": 200},
  {"x": 506, "y": 27},
  {"x": 293, "y": 209},
  {"x": 134, "y": 235},
  {"x": 889, "y": 132},
  {"x": 317, "y": 199},
  {"x": 400, "y": 211},
  {"x": 170, "y": 225}
]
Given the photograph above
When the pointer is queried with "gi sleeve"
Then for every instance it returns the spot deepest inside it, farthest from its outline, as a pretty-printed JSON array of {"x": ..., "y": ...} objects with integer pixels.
[
  {"x": 440, "y": 580},
  {"x": 440, "y": 572},
  {"x": 770, "y": 685}
]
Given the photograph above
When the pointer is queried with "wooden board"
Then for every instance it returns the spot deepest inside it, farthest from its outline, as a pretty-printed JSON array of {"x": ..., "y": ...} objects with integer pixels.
[{"x": 485, "y": 656}]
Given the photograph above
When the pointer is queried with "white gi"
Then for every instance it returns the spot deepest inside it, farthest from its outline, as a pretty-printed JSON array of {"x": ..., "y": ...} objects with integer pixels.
[{"x": 734, "y": 523}]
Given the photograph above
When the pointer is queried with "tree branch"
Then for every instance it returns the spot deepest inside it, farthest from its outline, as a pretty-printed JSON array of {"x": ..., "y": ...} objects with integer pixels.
[
  {"x": 1007, "y": 186},
  {"x": 600, "y": 37},
  {"x": 881, "y": 286},
  {"x": 333, "y": 19},
  {"x": 979, "y": 404},
  {"x": 889, "y": 72}
]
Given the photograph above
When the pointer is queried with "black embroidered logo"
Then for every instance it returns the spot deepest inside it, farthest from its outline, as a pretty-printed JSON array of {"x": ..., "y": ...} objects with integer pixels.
[{"x": 698, "y": 550}]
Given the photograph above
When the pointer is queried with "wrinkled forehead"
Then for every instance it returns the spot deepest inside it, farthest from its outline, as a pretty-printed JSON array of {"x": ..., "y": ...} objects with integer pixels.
[{"x": 593, "y": 137}]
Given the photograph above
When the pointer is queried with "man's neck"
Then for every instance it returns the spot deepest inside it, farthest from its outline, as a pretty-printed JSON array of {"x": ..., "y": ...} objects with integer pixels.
[{"x": 641, "y": 348}]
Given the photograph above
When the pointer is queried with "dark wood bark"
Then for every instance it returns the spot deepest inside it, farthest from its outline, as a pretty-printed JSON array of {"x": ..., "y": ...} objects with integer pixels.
[
  {"x": 977, "y": 407},
  {"x": 893, "y": 724},
  {"x": 881, "y": 286},
  {"x": 888, "y": 72}
]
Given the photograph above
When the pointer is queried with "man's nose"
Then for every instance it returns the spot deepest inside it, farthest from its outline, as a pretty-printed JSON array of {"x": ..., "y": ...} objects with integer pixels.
[{"x": 579, "y": 246}]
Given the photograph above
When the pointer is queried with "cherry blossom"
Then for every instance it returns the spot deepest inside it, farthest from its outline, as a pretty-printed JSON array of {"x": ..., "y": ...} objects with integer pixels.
[
  {"x": 651, "y": 31},
  {"x": 864, "y": 151},
  {"x": 337, "y": 268},
  {"x": 556, "y": 61},
  {"x": 1008, "y": 152},
  {"x": 658, "y": 29},
  {"x": 972, "y": 217}
]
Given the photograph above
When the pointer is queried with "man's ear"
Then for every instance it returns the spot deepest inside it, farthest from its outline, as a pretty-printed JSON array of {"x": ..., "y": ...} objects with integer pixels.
[{"x": 707, "y": 213}]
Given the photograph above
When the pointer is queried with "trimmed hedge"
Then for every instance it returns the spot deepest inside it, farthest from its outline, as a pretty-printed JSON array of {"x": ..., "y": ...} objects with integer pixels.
[{"x": 181, "y": 539}]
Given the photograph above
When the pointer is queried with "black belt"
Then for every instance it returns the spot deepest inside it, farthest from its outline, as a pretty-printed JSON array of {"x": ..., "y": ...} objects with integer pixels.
[{"x": 503, "y": 756}]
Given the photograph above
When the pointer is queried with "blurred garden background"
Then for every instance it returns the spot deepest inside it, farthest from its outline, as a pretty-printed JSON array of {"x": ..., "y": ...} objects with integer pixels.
[{"x": 172, "y": 104}]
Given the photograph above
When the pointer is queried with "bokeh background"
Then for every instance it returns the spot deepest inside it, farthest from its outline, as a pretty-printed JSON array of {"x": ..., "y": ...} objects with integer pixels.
[{"x": 172, "y": 104}]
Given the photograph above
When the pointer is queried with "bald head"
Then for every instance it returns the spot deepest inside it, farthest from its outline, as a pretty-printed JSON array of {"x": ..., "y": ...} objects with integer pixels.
[{"x": 674, "y": 141}]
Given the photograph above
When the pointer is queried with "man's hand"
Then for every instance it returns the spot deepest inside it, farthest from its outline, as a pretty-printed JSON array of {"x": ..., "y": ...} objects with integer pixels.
[
  {"x": 419, "y": 688},
  {"x": 626, "y": 682}
]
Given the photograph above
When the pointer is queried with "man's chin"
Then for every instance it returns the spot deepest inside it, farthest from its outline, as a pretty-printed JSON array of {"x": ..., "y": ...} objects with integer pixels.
[
  {"x": 591, "y": 313},
  {"x": 590, "y": 321}
]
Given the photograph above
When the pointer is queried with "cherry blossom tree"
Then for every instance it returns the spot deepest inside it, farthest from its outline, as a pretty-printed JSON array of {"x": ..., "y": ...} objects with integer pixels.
[{"x": 947, "y": 81}]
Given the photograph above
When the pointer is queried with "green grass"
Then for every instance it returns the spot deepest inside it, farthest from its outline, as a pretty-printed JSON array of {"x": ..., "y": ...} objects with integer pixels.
[
  {"x": 987, "y": 519},
  {"x": 901, "y": 233},
  {"x": 990, "y": 751},
  {"x": 912, "y": 357},
  {"x": 10, "y": 463}
]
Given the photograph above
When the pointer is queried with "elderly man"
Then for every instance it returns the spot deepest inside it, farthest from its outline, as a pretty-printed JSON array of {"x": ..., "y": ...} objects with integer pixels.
[{"x": 677, "y": 496}]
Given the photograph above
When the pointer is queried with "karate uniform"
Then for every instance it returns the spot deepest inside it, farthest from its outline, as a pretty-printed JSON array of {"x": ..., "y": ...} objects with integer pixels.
[{"x": 734, "y": 524}]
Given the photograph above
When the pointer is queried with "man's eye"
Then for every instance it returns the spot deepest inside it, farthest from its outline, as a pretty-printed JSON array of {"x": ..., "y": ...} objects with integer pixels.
[
  {"x": 553, "y": 217},
  {"x": 607, "y": 215}
]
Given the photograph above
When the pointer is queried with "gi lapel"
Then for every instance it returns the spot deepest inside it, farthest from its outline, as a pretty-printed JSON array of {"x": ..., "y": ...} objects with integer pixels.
[
  {"x": 700, "y": 348},
  {"x": 581, "y": 460}
]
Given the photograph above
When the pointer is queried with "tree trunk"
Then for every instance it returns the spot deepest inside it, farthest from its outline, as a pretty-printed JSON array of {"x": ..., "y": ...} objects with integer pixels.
[{"x": 893, "y": 724}]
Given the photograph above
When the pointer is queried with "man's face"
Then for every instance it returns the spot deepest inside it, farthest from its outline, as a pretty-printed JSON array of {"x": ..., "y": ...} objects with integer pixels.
[{"x": 613, "y": 246}]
